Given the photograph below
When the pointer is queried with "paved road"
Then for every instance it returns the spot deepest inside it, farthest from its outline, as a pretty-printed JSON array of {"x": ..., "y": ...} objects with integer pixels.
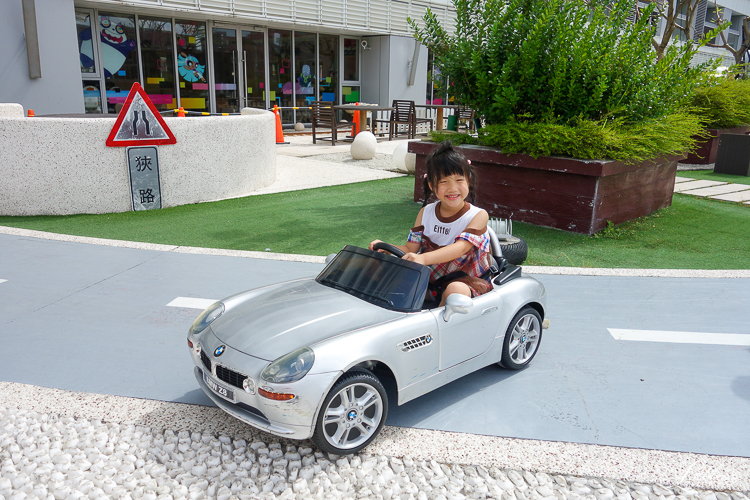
[{"x": 95, "y": 319}]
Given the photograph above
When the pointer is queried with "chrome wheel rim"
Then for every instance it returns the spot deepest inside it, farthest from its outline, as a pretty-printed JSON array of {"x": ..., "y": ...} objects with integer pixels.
[
  {"x": 524, "y": 339},
  {"x": 352, "y": 416}
]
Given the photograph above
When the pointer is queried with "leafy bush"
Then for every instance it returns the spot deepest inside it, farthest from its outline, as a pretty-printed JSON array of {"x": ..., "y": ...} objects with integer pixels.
[
  {"x": 723, "y": 104},
  {"x": 567, "y": 77},
  {"x": 590, "y": 140}
]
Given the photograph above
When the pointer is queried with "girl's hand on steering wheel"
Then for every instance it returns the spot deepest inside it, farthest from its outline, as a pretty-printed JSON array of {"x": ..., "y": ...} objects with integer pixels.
[
  {"x": 372, "y": 244},
  {"x": 415, "y": 257}
]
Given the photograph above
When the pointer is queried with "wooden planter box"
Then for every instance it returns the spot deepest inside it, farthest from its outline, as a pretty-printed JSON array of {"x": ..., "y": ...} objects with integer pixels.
[
  {"x": 564, "y": 193},
  {"x": 706, "y": 152}
]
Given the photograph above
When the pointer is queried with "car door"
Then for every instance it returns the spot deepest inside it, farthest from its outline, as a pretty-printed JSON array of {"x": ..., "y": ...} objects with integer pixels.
[{"x": 465, "y": 336}]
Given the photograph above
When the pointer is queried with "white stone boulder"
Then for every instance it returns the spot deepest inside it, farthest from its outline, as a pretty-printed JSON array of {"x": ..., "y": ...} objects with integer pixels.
[
  {"x": 299, "y": 127},
  {"x": 364, "y": 145},
  {"x": 402, "y": 159}
]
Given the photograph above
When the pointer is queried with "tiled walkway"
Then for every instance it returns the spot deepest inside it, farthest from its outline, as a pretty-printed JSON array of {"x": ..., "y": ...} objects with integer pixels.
[{"x": 715, "y": 190}]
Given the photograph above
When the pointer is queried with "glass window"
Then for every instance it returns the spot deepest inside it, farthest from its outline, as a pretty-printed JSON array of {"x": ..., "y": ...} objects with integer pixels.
[
  {"x": 328, "y": 69},
  {"x": 279, "y": 65},
  {"x": 191, "y": 65},
  {"x": 85, "y": 43},
  {"x": 350, "y": 93},
  {"x": 254, "y": 53},
  {"x": 92, "y": 97},
  {"x": 380, "y": 279},
  {"x": 304, "y": 71},
  {"x": 119, "y": 58},
  {"x": 351, "y": 59},
  {"x": 225, "y": 70},
  {"x": 158, "y": 61}
]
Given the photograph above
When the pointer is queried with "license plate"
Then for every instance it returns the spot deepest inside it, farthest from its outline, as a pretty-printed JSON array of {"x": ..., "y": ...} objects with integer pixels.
[{"x": 218, "y": 389}]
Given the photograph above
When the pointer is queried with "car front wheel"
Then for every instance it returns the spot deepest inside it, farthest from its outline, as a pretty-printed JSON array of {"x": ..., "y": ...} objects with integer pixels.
[
  {"x": 522, "y": 339},
  {"x": 352, "y": 414}
]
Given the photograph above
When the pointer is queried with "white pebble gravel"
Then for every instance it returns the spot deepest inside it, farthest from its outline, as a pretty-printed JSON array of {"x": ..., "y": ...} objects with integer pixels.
[{"x": 54, "y": 447}]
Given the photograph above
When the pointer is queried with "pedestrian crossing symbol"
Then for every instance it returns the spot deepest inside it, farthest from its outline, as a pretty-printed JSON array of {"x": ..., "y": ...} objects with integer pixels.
[{"x": 139, "y": 123}]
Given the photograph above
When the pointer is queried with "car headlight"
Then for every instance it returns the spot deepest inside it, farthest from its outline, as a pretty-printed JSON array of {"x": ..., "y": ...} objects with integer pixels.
[
  {"x": 289, "y": 368},
  {"x": 207, "y": 317}
]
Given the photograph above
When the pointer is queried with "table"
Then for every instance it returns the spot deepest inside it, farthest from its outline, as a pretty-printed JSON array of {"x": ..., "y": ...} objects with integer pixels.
[
  {"x": 440, "y": 108},
  {"x": 363, "y": 116}
]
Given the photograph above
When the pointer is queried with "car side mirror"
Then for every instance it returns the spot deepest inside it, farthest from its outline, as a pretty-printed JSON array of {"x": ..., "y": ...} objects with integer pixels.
[{"x": 457, "y": 303}]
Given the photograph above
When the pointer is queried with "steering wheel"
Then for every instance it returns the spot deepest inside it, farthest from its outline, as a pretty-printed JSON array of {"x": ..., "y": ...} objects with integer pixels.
[{"x": 393, "y": 250}]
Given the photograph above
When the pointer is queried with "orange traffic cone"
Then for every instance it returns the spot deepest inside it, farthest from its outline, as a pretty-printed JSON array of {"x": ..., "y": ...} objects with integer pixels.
[
  {"x": 279, "y": 132},
  {"x": 355, "y": 125},
  {"x": 181, "y": 112},
  {"x": 31, "y": 113}
]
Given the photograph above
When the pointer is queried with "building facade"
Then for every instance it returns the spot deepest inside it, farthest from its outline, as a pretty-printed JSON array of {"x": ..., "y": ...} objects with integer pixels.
[
  {"x": 214, "y": 55},
  {"x": 76, "y": 56}
]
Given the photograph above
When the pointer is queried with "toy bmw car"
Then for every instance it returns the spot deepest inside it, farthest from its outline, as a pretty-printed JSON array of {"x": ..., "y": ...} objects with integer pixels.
[{"x": 305, "y": 359}]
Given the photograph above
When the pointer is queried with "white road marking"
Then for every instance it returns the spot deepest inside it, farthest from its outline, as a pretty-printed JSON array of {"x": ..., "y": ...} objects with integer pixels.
[
  {"x": 681, "y": 337},
  {"x": 3, "y": 281},
  {"x": 191, "y": 302}
]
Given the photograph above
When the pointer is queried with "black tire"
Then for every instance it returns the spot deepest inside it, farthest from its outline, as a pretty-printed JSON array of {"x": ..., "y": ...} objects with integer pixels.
[
  {"x": 515, "y": 250},
  {"x": 333, "y": 433},
  {"x": 522, "y": 339}
]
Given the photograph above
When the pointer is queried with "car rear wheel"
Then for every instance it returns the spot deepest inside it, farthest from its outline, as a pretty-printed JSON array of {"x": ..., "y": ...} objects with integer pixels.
[
  {"x": 522, "y": 339},
  {"x": 352, "y": 414}
]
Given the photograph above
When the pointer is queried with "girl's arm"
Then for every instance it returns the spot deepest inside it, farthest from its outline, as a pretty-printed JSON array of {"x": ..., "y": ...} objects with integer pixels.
[
  {"x": 454, "y": 250},
  {"x": 408, "y": 247}
]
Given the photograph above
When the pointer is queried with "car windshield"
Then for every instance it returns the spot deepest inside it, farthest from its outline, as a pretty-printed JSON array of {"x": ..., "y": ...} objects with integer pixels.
[{"x": 380, "y": 279}]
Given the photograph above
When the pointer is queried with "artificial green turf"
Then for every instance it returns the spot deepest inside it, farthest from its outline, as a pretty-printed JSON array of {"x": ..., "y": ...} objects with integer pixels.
[
  {"x": 711, "y": 176},
  {"x": 693, "y": 233}
]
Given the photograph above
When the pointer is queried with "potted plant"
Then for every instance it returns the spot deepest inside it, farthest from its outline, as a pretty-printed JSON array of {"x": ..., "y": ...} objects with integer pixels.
[
  {"x": 724, "y": 106},
  {"x": 583, "y": 124}
]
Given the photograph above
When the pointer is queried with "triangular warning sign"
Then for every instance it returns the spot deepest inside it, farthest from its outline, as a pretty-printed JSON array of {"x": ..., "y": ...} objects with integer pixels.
[{"x": 139, "y": 123}]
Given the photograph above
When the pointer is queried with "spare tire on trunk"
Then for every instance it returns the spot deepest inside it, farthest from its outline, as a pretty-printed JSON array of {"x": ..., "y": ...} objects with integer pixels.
[{"x": 515, "y": 250}]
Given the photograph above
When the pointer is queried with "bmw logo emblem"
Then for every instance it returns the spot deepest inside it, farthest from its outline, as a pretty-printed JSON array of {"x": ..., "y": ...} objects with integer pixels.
[
  {"x": 352, "y": 415},
  {"x": 428, "y": 339},
  {"x": 220, "y": 350}
]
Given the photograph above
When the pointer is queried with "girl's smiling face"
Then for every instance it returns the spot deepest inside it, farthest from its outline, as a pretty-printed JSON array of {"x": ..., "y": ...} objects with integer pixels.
[{"x": 452, "y": 191}]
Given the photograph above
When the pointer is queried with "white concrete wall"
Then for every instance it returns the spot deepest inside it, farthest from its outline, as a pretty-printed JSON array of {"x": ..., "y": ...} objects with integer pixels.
[
  {"x": 59, "y": 90},
  {"x": 56, "y": 166},
  {"x": 386, "y": 70}
]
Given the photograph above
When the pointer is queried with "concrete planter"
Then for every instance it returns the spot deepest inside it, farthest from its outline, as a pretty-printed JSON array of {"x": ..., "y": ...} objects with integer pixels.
[
  {"x": 564, "y": 193},
  {"x": 707, "y": 148}
]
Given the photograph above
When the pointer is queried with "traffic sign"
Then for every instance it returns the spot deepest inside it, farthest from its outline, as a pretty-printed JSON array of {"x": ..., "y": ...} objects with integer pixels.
[{"x": 139, "y": 123}]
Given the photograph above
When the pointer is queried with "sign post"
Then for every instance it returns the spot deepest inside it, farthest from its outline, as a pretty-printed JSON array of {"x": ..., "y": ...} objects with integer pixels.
[{"x": 141, "y": 129}]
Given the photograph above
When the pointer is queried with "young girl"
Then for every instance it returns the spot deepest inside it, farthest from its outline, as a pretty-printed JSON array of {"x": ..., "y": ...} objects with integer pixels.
[{"x": 451, "y": 234}]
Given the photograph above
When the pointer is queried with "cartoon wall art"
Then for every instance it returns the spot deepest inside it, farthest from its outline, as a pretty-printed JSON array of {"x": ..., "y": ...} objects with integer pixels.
[
  {"x": 115, "y": 46},
  {"x": 305, "y": 81},
  {"x": 190, "y": 68}
]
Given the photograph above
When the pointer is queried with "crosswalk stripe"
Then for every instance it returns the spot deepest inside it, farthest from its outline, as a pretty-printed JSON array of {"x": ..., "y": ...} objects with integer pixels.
[
  {"x": 681, "y": 337},
  {"x": 191, "y": 302}
]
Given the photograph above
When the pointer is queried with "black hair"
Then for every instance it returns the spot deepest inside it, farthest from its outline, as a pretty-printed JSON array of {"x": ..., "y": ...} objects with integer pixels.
[{"x": 445, "y": 161}]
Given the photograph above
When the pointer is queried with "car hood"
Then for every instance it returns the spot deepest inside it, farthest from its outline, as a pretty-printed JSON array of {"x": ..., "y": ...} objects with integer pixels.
[{"x": 272, "y": 322}]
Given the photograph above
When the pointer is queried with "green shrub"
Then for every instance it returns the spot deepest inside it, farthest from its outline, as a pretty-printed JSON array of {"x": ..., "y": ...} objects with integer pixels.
[
  {"x": 590, "y": 140},
  {"x": 558, "y": 60},
  {"x": 723, "y": 104},
  {"x": 567, "y": 77}
]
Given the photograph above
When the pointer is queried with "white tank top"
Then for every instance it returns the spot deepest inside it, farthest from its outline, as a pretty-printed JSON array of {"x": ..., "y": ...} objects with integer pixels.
[{"x": 442, "y": 231}]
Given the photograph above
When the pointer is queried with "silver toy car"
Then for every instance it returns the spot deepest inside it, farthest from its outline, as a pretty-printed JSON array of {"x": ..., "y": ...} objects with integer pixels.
[{"x": 305, "y": 359}]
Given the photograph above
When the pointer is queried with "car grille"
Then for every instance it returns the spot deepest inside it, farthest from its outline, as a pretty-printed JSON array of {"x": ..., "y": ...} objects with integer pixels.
[
  {"x": 252, "y": 410},
  {"x": 231, "y": 377},
  {"x": 205, "y": 360}
]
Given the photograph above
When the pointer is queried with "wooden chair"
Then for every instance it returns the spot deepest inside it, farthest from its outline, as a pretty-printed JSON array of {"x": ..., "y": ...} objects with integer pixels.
[
  {"x": 404, "y": 113},
  {"x": 467, "y": 115},
  {"x": 324, "y": 116}
]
